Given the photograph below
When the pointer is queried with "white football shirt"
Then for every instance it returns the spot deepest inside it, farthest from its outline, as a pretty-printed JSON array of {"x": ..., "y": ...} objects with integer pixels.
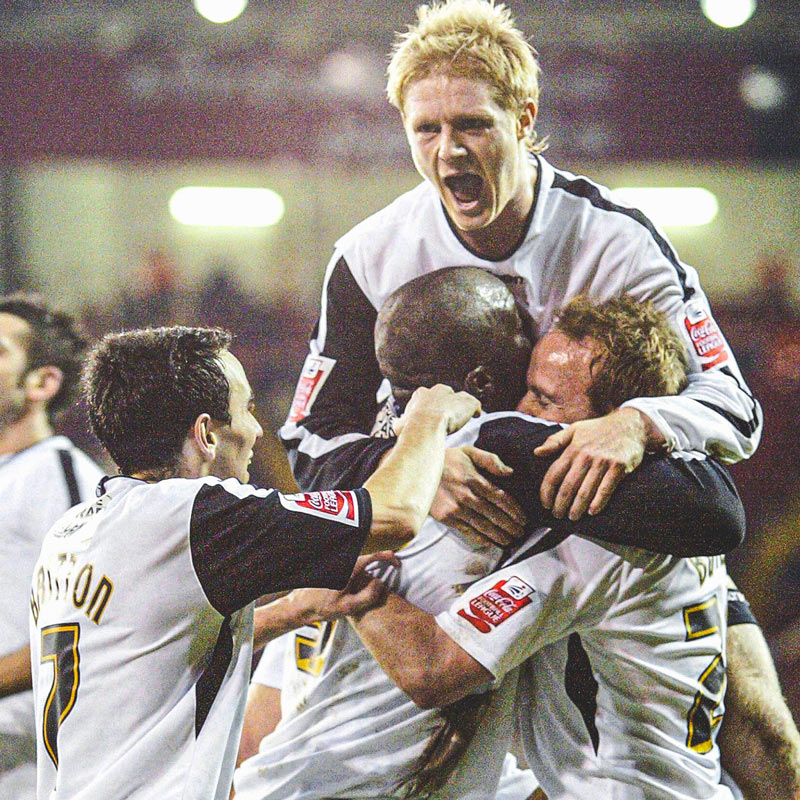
[
  {"x": 623, "y": 667},
  {"x": 37, "y": 484},
  {"x": 141, "y": 627}
]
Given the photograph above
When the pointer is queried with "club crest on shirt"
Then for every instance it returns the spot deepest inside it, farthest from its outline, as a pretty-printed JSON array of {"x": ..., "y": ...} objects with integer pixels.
[
  {"x": 341, "y": 506},
  {"x": 497, "y": 604},
  {"x": 707, "y": 340},
  {"x": 315, "y": 372}
]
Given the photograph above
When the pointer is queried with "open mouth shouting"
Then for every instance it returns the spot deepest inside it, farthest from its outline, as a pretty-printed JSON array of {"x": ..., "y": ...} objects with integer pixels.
[{"x": 465, "y": 189}]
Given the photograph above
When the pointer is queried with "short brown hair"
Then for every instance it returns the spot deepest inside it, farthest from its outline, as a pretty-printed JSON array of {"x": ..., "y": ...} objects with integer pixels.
[
  {"x": 476, "y": 39},
  {"x": 642, "y": 355},
  {"x": 145, "y": 388}
]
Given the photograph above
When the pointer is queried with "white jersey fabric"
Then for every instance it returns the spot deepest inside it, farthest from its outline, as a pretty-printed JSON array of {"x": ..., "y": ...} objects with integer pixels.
[
  {"x": 515, "y": 783},
  {"x": 37, "y": 486},
  {"x": 348, "y": 732},
  {"x": 141, "y": 627},
  {"x": 623, "y": 668},
  {"x": 578, "y": 241}
]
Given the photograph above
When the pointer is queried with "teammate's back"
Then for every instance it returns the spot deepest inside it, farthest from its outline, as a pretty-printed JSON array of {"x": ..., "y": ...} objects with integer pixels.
[{"x": 115, "y": 604}]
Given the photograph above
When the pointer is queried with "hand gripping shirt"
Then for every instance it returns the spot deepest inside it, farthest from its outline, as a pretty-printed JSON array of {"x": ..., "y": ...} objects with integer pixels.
[
  {"x": 37, "y": 485},
  {"x": 347, "y": 731},
  {"x": 622, "y": 672},
  {"x": 141, "y": 627},
  {"x": 578, "y": 242}
]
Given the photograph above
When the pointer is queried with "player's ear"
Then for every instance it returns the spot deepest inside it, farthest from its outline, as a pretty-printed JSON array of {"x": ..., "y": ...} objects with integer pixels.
[
  {"x": 42, "y": 384},
  {"x": 480, "y": 383},
  {"x": 204, "y": 438},
  {"x": 527, "y": 119}
]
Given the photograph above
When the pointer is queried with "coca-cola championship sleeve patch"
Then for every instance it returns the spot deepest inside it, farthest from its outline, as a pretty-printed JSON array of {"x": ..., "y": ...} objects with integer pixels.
[
  {"x": 497, "y": 604},
  {"x": 316, "y": 370},
  {"x": 708, "y": 342},
  {"x": 341, "y": 506}
]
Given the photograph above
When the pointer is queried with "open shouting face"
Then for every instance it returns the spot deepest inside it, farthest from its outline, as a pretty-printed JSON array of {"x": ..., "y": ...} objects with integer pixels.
[{"x": 470, "y": 148}]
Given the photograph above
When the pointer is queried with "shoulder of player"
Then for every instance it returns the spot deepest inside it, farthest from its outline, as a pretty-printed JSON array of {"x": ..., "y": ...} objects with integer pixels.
[
  {"x": 42, "y": 462},
  {"x": 390, "y": 218},
  {"x": 212, "y": 491},
  {"x": 382, "y": 251},
  {"x": 576, "y": 212}
]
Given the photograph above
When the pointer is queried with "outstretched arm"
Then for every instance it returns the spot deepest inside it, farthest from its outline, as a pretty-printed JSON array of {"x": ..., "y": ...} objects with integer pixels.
[
  {"x": 759, "y": 740},
  {"x": 15, "y": 672},
  {"x": 403, "y": 487},
  {"x": 417, "y": 654}
]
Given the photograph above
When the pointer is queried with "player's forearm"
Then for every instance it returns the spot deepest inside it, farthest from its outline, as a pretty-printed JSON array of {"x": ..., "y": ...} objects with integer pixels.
[
  {"x": 280, "y": 616},
  {"x": 15, "y": 672},
  {"x": 760, "y": 756},
  {"x": 697, "y": 512},
  {"x": 403, "y": 487},
  {"x": 759, "y": 740},
  {"x": 417, "y": 654}
]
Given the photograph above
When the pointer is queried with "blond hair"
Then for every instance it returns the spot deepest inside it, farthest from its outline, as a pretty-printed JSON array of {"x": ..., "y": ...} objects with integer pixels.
[
  {"x": 476, "y": 39},
  {"x": 639, "y": 353}
]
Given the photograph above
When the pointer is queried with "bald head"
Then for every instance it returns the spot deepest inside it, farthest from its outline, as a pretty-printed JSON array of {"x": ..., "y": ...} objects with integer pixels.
[{"x": 459, "y": 326}]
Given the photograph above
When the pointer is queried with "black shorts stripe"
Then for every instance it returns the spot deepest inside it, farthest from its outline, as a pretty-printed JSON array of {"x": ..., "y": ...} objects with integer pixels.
[
  {"x": 580, "y": 187},
  {"x": 69, "y": 476}
]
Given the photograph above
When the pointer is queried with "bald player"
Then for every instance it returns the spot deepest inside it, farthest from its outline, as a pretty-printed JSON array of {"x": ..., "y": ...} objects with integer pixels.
[
  {"x": 619, "y": 652},
  {"x": 346, "y": 731}
]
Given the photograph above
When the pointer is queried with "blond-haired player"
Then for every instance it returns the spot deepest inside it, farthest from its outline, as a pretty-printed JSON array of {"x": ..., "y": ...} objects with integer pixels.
[{"x": 465, "y": 82}]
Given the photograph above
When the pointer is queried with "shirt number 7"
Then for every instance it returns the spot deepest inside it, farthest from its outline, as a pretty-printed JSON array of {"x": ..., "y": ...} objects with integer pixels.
[{"x": 60, "y": 645}]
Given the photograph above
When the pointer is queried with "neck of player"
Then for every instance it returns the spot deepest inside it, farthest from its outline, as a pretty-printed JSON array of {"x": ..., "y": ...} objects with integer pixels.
[{"x": 501, "y": 237}]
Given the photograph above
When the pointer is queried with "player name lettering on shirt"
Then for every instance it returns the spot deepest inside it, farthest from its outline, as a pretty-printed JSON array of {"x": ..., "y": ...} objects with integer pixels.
[
  {"x": 706, "y": 565},
  {"x": 63, "y": 580}
]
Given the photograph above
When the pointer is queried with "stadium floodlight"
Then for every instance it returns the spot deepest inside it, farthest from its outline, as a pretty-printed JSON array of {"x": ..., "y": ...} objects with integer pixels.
[
  {"x": 670, "y": 206},
  {"x": 230, "y": 207},
  {"x": 728, "y": 13},
  {"x": 220, "y": 11}
]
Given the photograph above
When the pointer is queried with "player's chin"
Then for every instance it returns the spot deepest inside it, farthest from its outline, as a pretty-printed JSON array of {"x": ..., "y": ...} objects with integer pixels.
[
  {"x": 470, "y": 219},
  {"x": 470, "y": 216}
]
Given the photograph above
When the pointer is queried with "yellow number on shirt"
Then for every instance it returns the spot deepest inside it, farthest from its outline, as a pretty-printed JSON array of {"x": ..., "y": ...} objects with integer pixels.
[
  {"x": 309, "y": 651},
  {"x": 703, "y": 719},
  {"x": 60, "y": 645}
]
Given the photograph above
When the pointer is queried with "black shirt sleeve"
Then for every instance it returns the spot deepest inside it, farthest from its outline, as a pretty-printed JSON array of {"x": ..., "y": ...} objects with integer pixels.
[
  {"x": 249, "y": 542},
  {"x": 346, "y": 402},
  {"x": 739, "y": 611},
  {"x": 666, "y": 505}
]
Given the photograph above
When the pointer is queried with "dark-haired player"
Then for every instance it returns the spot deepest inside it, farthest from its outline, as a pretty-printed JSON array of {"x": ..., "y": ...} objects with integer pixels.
[{"x": 141, "y": 603}]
